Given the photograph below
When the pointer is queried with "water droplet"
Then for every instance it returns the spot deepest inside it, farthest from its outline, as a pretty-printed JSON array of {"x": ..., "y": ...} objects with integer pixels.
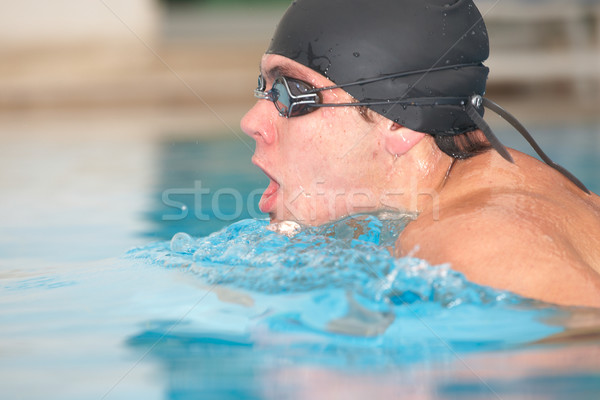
[{"x": 182, "y": 243}]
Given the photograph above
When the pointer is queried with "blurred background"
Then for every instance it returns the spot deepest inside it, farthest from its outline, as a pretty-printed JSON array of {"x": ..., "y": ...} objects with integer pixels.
[
  {"x": 73, "y": 54},
  {"x": 104, "y": 104}
]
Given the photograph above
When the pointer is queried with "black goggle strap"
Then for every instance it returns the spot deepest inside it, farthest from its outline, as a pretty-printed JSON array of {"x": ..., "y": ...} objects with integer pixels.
[
  {"x": 478, "y": 101},
  {"x": 412, "y": 102}
]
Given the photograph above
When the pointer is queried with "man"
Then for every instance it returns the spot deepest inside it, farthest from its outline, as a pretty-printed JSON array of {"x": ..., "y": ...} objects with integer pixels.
[{"x": 370, "y": 105}]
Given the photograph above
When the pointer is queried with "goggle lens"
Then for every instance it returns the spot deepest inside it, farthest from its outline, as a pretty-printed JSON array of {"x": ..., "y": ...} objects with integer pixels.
[
  {"x": 282, "y": 98},
  {"x": 291, "y": 97}
]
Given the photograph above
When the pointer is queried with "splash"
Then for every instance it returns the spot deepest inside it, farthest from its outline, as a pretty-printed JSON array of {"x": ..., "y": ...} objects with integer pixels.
[{"x": 354, "y": 254}]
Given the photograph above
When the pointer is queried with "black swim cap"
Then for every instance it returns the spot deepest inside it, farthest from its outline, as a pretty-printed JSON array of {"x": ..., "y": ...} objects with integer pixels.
[{"x": 347, "y": 41}]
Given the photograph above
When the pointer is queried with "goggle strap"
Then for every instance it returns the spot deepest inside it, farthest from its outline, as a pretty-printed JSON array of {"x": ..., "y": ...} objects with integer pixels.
[
  {"x": 521, "y": 129},
  {"x": 487, "y": 131},
  {"x": 413, "y": 102}
]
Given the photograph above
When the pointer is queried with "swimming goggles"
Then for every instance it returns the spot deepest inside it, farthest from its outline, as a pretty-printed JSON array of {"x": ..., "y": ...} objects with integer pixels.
[{"x": 293, "y": 97}]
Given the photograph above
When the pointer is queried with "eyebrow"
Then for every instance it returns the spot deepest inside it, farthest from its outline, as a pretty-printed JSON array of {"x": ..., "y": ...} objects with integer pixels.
[{"x": 283, "y": 70}]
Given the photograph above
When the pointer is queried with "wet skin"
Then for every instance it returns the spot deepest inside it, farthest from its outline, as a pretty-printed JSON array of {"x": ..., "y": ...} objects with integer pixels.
[{"x": 521, "y": 227}]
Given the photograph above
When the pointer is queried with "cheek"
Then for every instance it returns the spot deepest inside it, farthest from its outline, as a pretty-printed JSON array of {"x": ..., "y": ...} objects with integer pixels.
[
  {"x": 333, "y": 144},
  {"x": 303, "y": 139}
]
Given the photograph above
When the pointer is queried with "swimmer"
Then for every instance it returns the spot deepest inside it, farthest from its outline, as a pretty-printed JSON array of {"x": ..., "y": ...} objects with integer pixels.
[{"x": 370, "y": 105}]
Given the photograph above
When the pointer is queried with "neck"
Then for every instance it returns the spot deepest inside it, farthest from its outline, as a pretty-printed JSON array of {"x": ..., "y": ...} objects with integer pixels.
[{"x": 417, "y": 179}]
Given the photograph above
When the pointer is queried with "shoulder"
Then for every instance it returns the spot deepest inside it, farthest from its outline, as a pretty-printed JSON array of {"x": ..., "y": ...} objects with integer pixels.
[
  {"x": 476, "y": 228},
  {"x": 506, "y": 239}
]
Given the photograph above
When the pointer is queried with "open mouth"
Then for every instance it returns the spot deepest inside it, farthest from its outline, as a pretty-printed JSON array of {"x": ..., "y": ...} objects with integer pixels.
[{"x": 268, "y": 201}]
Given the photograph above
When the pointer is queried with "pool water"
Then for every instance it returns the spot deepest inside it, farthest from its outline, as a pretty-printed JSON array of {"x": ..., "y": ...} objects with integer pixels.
[{"x": 150, "y": 291}]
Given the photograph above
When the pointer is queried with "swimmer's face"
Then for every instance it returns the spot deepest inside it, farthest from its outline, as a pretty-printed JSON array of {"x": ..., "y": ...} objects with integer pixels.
[{"x": 323, "y": 165}]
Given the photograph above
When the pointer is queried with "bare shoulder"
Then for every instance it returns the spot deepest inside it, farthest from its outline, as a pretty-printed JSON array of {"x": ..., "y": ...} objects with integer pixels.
[{"x": 538, "y": 245}]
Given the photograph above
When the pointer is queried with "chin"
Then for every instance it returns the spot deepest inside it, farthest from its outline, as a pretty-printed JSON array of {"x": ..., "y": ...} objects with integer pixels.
[
  {"x": 308, "y": 214},
  {"x": 273, "y": 219}
]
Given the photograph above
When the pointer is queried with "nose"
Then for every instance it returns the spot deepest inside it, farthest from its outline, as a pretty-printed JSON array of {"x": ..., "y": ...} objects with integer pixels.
[{"x": 259, "y": 122}]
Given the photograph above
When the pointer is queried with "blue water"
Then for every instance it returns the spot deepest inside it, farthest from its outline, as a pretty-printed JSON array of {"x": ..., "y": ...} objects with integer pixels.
[
  {"x": 229, "y": 308},
  {"x": 331, "y": 297}
]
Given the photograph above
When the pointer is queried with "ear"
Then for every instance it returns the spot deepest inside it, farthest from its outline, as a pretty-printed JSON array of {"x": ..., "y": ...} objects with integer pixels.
[{"x": 399, "y": 139}]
